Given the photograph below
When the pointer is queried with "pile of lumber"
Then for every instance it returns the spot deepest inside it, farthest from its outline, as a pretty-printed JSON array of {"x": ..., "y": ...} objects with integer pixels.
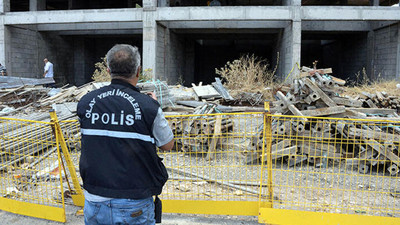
[
  {"x": 315, "y": 94},
  {"x": 200, "y": 134},
  {"x": 381, "y": 100}
]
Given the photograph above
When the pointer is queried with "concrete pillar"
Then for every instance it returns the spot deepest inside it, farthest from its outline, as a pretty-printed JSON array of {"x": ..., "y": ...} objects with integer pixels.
[
  {"x": 149, "y": 36},
  {"x": 374, "y": 2},
  {"x": 291, "y": 2},
  {"x": 4, "y": 6},
  {"x": 37, "y": 5},
  {"x": 149, "y": 3},
  {"x": 5, "y": 41},
  {"x": 398, "y": 52},
  {"x": 296, "y": 52},
  {"x": 79, "y": 61},
  {"x": 163, "y": 3},
  {"x": 370, "y": 54}
]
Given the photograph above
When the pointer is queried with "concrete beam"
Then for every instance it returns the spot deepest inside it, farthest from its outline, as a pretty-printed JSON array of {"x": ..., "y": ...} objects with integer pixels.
[
  {"x": 224, "y": 13},
  {"x": 375, "y": 25},
  {"x": 90, "y": 26},
  {"x": 74, "y": 16},
  {"x": 335, "y": 26},
  {"x": 138, "y": 32},
  {"x": 349, "y": 13},
  {"x": 227, "y": 24}
]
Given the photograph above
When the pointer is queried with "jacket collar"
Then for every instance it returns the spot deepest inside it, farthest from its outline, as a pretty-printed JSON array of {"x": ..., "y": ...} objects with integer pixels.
[{"x": 124, "y": 83}]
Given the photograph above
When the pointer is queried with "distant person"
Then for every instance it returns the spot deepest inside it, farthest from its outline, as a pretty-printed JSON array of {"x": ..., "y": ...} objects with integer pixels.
[
  {"x": 3, "y": 70},
  {"x": 48, "y": 71},
  {"x": 215, "y": 3},
  {"x": 48, "y": 68}
]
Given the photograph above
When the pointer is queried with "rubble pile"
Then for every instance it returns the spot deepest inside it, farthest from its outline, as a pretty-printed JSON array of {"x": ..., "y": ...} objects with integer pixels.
[{"x": 314, "y": 93}]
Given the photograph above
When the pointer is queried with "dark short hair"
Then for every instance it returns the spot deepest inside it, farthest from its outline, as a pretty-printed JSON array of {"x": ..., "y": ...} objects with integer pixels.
[{"x": 123, "y": 60}]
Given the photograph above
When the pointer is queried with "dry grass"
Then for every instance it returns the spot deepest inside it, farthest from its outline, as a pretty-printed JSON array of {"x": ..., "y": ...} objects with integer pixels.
[
  {"x": 248, "y": 74},
  {"x": 387, "y": 86},
  {"x": 101, "y": 74},
  {"x": 364, "y": 84}
]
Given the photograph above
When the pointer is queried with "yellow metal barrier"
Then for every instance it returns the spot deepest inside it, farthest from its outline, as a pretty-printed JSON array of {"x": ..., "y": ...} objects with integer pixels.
[
  {"x": 31, "y": 175},
  {"x": 333, "y": 171},
  {"x": 285, "y": 169},
  {"x": 211, "y": 169}
]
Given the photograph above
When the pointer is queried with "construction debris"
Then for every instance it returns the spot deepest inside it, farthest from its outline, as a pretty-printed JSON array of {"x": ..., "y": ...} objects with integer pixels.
[{"x": 315, "y": 93}]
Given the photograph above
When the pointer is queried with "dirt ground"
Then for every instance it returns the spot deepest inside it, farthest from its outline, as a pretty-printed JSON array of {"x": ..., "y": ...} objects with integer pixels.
[{"x": 167, "y": 219}]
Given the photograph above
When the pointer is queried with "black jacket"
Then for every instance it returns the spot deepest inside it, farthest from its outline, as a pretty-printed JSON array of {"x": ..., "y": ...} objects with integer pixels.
[{"x": 119, "y": 158}]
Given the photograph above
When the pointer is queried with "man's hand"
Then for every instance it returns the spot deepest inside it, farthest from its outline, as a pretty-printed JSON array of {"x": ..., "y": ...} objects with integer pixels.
[{"x": 152, "y": 95}]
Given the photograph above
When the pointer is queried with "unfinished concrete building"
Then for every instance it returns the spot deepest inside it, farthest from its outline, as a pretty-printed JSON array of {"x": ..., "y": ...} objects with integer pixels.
[{"x": 185, "y": 40}]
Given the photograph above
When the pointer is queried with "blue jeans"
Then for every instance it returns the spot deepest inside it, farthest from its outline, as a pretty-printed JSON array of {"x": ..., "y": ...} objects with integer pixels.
[{"x": 120, "y": 211}]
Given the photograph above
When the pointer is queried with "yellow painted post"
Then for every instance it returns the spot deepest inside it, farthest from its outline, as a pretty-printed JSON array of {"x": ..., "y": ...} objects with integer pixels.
[
  {"x": 266, "y": 148},
  {"x": 76, "y": 194}
]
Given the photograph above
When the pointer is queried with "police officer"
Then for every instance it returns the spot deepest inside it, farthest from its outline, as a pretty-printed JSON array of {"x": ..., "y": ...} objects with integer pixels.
[{"x": 120, "y": 129}]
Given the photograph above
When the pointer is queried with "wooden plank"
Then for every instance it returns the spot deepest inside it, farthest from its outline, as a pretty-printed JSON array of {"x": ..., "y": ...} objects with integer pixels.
[
  {"x": 221, "y": 89},
  {"x": 12, "y": 82},
  {"x": 279, "y": 153},
  {"x": 338, "y": 81},
  {"x": 318, "y": 149},
  {"x": 384, "y": 151},
  {"x": 371, "y": 134},
  {"x": 322, "y": 94},
  {"x": 324, "y": 111},
  {"x": 206, "y": 91},
  {"x": 371, "y": 104},
  {"x": 290, "y": 106},
  {"x": 347, "y": 102},
  {"x": 215, "y": 138},
  {"x": 374, "y": 110}
]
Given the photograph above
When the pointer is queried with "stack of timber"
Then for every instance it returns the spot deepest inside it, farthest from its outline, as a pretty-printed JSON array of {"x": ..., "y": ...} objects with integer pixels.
[
  {"x": 318, "y": 94},
  {"x": 311, "y": 140},
  {"x": 380, "y": 100},
  {"x": 200, "y": 134}
]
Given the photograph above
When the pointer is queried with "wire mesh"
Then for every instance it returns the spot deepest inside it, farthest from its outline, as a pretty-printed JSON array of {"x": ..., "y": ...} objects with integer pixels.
[
  {"x": 336, "y": 165},
  {"x": 212, "y": 158},
  {"x": 29, "y": 164},
  {"x": 72, "y": 138}
]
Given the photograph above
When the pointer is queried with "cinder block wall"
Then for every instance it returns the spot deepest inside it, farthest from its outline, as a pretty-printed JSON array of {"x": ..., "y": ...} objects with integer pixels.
[
  {"x": 60, "y": 51},
  {"x": 23, "y": 54},
  {"x": 385, "y": 52},
  {"x": 161, "y": 60},
  {"x": 285, "y": 52},
  {"x": 354, "y": 56},
  {"x": 176, "y": 58}
]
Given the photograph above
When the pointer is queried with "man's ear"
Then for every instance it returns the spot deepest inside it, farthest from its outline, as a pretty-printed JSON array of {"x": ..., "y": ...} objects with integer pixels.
[
  {"x": 108, "y": 71},
  {"x": 138, "y": 71}
]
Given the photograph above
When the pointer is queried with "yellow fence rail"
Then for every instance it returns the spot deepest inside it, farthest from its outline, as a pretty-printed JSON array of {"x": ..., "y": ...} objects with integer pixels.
[
  {"x": 31, "y": 175},
  {"x": 284, "y": 169},
  {"x": 333, "y": 171}
]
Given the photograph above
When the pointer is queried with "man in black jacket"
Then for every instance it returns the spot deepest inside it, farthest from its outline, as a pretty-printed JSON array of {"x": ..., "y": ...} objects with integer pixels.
[{"x": 120, "y": 129}]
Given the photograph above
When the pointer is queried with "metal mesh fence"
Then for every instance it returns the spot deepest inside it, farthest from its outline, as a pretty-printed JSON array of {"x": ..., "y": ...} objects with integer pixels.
[
  {"x": 330, "y": 165},
  {"x": 335, "y": 165},
  {"x": 210, "y": 158},
  {"x": 29, "y": 164}
]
